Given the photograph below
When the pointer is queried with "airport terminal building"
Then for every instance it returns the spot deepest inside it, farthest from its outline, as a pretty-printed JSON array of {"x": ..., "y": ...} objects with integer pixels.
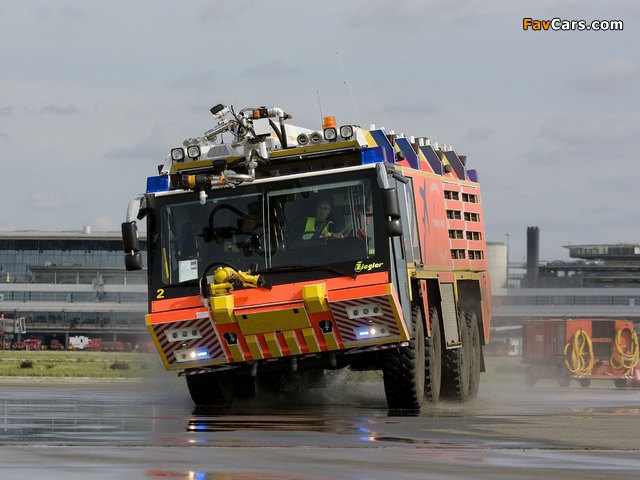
[{"x": 72, "y": 283}]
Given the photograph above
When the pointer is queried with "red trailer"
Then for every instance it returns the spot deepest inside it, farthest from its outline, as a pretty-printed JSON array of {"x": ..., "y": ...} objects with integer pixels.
[{"x": 582, "y": 349}]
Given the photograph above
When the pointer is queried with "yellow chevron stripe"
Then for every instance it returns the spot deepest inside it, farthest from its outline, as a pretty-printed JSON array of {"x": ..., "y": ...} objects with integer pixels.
[
  {"x": 254, "y": 347},
  {"x": 272, "y": 343},
  {"x": 292, "y": 342},
  {"x": 311, "y": 340}
]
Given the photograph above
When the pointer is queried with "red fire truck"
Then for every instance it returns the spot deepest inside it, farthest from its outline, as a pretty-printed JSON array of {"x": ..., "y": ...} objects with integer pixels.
[
  {"x": 581, "y": 349},
  {"x": 285, "y": 251}
]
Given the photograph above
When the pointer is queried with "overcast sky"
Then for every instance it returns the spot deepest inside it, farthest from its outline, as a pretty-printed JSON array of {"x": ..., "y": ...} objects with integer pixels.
[{"x": 93, "y": 95}]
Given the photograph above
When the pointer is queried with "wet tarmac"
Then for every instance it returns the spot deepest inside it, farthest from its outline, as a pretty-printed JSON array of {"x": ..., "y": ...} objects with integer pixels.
[{"x": 84, "y": 429}]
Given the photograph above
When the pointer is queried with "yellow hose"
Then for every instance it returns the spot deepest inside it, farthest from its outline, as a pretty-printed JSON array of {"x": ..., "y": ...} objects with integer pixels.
[
  {"x": 580, "y": 360},
  {"x": 625, "y": 358}
]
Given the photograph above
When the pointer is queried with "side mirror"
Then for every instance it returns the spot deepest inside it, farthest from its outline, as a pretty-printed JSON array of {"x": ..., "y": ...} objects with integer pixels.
[
  {"x": 391, "y": 209},
  {"x": 131, "y": 246},
  {"x": 133, "y": 261},
  {"x": 130, "y": 240}
]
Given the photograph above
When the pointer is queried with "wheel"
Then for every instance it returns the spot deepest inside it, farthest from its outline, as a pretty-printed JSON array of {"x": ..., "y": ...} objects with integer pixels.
[
  {"x": 244, "y": 387},
  {"x": 433, "y": 359},
  {"x": 585, "y": 382},
  {"x": 564, "y": 379},
  {"x": 475, "y": 354},
  {"x": 620, "y": 382},
  {"x": 456, "y": 364},
  {"x": 529, "y": 378},
  {"x": 206, "y": 389},
  {"x": 404, "y": 370},
  {"x": 281, "y": 383}
]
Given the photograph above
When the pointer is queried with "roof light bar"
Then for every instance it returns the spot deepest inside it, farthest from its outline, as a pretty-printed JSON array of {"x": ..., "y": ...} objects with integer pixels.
[
  {"x": 330, "y": 134},
  {"x": 315, "y": 138},
  {"x": 346, "y": 131},
  {"x": 177, "y": 154},
  {"x": 193, "y": 151},
  {"x": 303, "y": 139}
]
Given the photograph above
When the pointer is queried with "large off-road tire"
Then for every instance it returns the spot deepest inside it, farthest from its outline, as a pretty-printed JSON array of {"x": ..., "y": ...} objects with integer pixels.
[
  {"x": 529, "y": 377},
  {"x": 244, "y": 386},
  {"x": 564, "y": 380},
  {"x": 281, "y": 383},
  {"x": 620, "y": 382},
  {"x": 475, "y": 354},
  {"x": 207, "y": 390},
  {"x": 433, "y": 359},
  {"x": 455, "y": 366},
  {"x": 404, "y": 370}
]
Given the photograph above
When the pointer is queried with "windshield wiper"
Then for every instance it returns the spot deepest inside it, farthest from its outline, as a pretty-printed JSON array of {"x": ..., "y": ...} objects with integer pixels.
[{"x": 306, "y": 268}]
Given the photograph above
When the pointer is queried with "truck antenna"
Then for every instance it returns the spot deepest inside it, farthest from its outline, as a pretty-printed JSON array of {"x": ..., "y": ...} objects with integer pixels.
[
  {"x": 319, "y": 104},
  {"x": 346, "y": 84}
]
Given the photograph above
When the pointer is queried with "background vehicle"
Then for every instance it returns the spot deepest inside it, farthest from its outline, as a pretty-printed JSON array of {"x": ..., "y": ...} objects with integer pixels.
[
  {"x": 94, "y": 345},
  {"x": 78, "y": 342},
  {"x": 395, "y": 279},
  {"x": 28, "y": 344},
  {"x": 580, "y": 349}
]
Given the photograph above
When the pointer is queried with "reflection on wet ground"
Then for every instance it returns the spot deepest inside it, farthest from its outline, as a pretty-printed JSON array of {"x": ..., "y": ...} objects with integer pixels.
[
  {"x": 161, "y": 413},
  {"x": 342, "y": 432}
]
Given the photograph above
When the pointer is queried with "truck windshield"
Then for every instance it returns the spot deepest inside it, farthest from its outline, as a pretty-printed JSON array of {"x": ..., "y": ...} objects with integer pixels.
[
  {"x": 303, "y": 223},
  {"x": 228, "y": 229},
  {"x": 321, "y": 224}
]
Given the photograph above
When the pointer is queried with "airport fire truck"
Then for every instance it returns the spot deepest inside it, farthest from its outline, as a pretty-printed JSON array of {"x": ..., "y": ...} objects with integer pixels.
[
  {"x": 583, "y": 349},
  {"x": 277, "y": 252}
]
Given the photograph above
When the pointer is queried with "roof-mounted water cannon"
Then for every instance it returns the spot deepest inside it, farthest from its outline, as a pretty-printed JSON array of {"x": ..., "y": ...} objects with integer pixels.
[{"x": 204, "y": 162}]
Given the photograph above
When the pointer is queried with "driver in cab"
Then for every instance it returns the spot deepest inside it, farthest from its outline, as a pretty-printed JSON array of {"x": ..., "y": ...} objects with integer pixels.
[{"x": 321, "y": 225}]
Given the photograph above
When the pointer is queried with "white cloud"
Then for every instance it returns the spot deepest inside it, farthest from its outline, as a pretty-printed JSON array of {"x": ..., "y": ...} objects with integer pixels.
[
  {"x": 222, "y": 11},
  {"x": 479, "y": 134},
  {"x": 411, "y": 108},
  {"x": 409, "y": 13},
  {"x": 104, "y": 224},
  {"x": 47, "y": 200},
  {"x": 52, "y": 109},
  {"x": 272, "y": 69},
  {"x": 615, "y": 75},
  {"x": 154, "y": 146},
  {"x": 65, "y": 12},
  {"x": 592, "y": 132},
  {"x": 204, "y": 81}
]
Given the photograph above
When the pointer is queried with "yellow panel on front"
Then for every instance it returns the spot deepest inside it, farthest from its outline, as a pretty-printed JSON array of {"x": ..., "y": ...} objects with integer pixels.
[
  {"x": 331, "y": 340},
  {"x": 236, "y": 353},
  {"x": 222, "y": 308},
  {"x": 272, "y": 343},
  {"x": 254, "y": 347},
  {"x": 315, "y": 297},
  {"x": 311, "y": 340},
  {"x": 292, "y": 342},
  {"x": 276, "y": 320}
]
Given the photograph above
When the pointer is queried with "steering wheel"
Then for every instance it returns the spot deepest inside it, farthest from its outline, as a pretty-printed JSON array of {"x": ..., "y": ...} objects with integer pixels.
[{"x": 220, "y": 207}]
